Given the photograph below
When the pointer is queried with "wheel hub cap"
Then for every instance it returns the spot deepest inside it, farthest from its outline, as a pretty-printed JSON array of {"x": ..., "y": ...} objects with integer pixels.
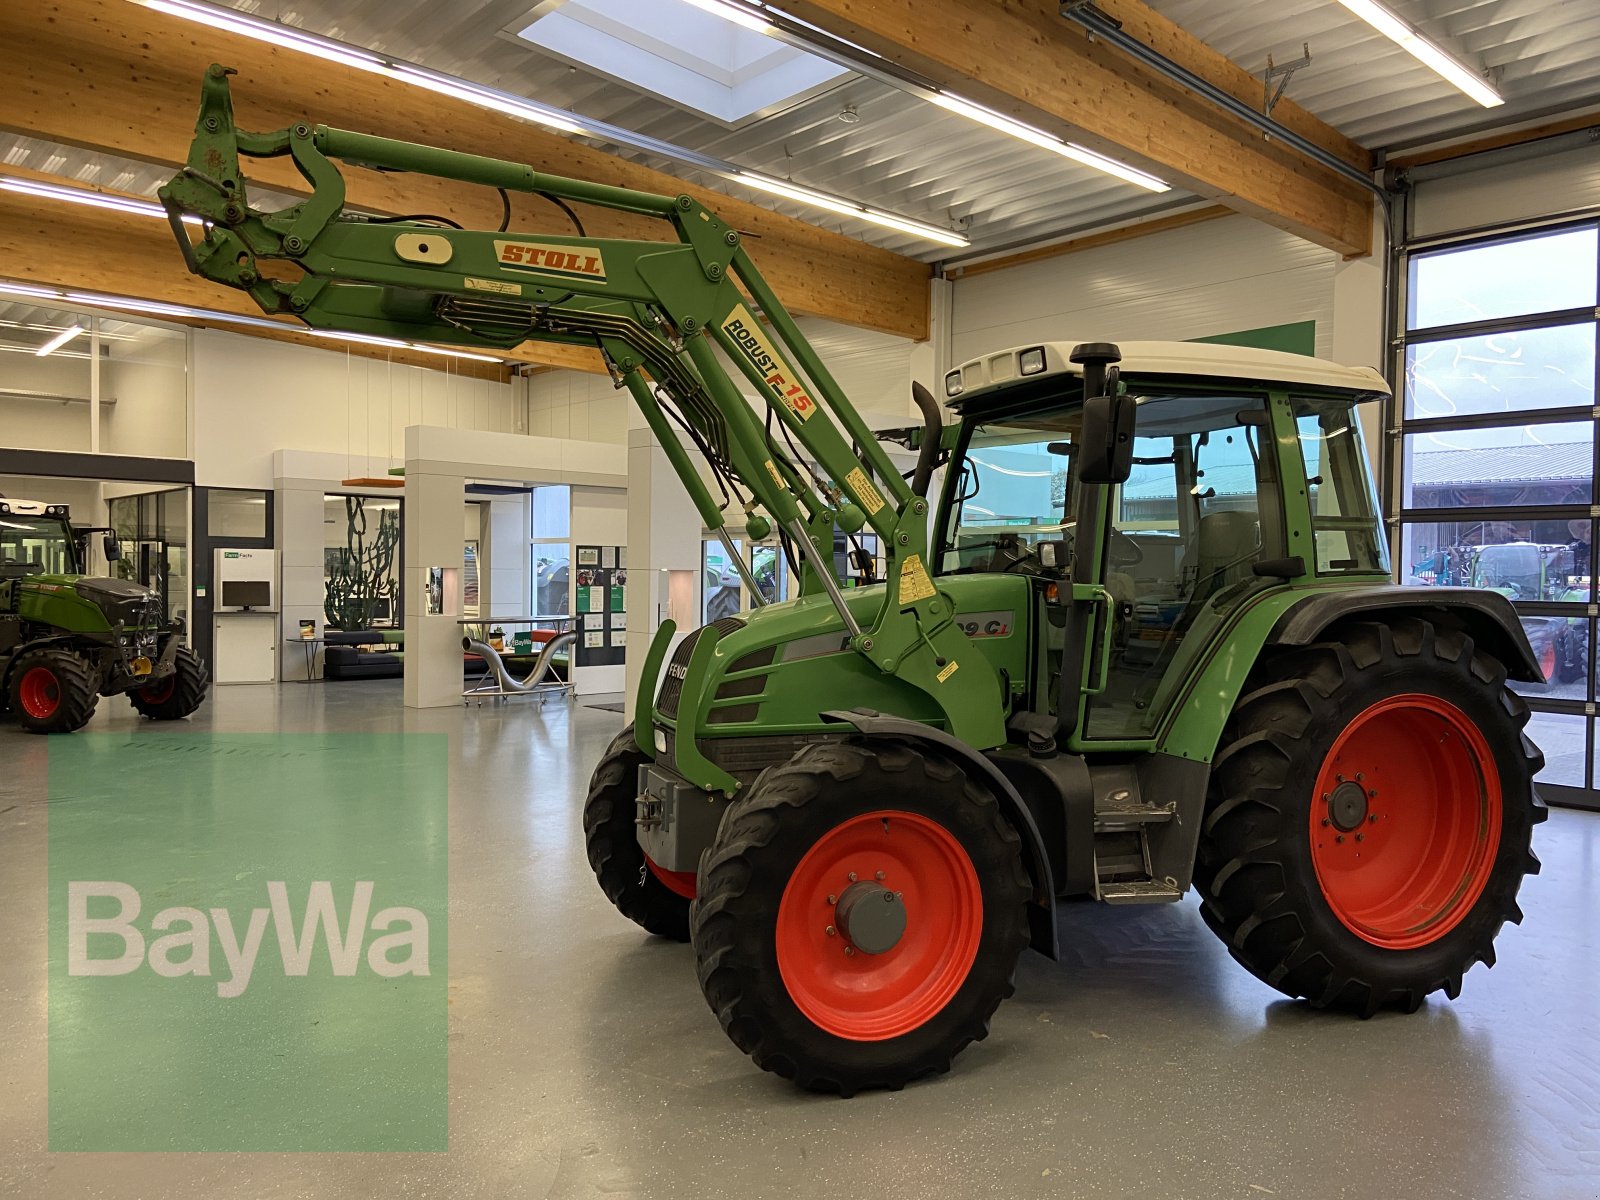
[
  {"x": 1347, "y": 806},
  {"x": 872, "y": 916}
]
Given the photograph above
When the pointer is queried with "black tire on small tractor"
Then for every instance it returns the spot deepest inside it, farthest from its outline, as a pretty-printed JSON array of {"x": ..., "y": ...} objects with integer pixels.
[
  {"x": 1370, "y": 817},
  {"x": 611, "y": 837},
  {"x": 179, "y": 694},
  {"x": 799, "y": 978},
  {"x": 52, "y": 691}
]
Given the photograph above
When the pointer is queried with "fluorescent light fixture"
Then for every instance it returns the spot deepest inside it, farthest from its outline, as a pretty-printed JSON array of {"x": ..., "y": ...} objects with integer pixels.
[
  {"x": 160, "y": 308},
  {"x": 1047, "y": 141},
  {"x": 60, "y": 340},
  {"x": 846, "y": 208},
  {"x": 732, "y": 10},
  {"x": 490, "y": 98},
  {"x": 1434, "y": 57},
  {"x": 87, "y": 196},
  {"x": 275, "y": 32}
]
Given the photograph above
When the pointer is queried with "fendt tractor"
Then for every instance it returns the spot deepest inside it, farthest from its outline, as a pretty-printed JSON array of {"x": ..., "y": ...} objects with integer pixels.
[
  {"x": 1145, "y": 638},
  {"x": 66, "y": 639}
]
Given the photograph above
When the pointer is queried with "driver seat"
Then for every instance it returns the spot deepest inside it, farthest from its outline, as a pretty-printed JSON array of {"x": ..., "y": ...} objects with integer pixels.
[{"x": 1226, "y": 543}]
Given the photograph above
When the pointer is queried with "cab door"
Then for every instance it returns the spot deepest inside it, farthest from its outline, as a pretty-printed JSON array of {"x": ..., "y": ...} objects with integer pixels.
[{"x": 1176, "y": 551}]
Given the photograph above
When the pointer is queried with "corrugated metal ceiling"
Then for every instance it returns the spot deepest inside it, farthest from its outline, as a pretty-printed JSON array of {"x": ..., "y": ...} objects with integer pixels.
[
  {"x": 912, "y": 158},
  {"x": 1544, "y": 56}
]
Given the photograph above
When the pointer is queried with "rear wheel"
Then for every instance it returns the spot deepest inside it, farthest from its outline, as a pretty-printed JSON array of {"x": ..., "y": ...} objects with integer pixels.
[
  {"x": 52, "y": 691},
  {"x": 1370, "y": 818},
  {"x": 860, "y": 916},
  {"x": 648, "y": 895},
  {"x": 179, "y": 694}
]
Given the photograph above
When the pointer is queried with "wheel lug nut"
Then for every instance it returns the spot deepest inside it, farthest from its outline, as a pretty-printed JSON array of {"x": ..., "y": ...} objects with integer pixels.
[
  {"x": 880, "y": 876},
  {"x": 832, "y": 932},
  {"x": 849, "y": 951},
  {"x": 1373, "y": 794},
  {"x": 1358, "y": 837},
  {"x": 1326, "y": 822},
  {"x": 1372, "y": 819},
  {"x": 1339, "y": 839},
  {"x": 832, "y": 899},
  {"x": 852, "y": 877}
]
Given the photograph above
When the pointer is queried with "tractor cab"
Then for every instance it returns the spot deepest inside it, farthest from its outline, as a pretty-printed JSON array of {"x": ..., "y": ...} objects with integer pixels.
[
  {"x": 1240, "y": 471},
  {"x": 37, "y": 539}
]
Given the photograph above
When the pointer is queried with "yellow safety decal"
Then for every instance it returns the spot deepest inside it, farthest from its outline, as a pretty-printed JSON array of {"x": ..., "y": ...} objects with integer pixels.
[
  {"x": 949, "y": 670},
  {"x": 870, "y": 498},
  {"x": 577, "y": 262},
  {"x": 493, "y": 285},
  {"x": 746, "y": 333},
  {"x": 773, "y": 471},
  {"x": 914, "y": 582}
]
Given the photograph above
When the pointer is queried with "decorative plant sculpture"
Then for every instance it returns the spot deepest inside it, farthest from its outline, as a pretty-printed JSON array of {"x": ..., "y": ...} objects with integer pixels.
[{"x": 360, "y": 574}]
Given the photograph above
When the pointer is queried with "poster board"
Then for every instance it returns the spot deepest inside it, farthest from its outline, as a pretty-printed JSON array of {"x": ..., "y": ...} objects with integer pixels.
[{"x": 600, "y": 580}]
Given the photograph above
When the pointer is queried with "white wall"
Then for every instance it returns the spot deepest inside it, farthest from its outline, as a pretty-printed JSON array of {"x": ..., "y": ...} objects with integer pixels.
[
  {"x": 149, "y": 379},
  {"x": 32, "y": 424},
  {"x": 253, "y": 397},
  {"x": 1220, "y": 276}
]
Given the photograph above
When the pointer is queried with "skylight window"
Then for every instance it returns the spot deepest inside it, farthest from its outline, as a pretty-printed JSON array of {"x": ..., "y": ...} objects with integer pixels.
[{"x": 681, "y": 53}]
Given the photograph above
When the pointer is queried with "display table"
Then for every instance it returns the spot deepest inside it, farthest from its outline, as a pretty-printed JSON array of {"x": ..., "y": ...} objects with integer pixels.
[
  {"x": 311, "y": 645},
  {"x": 547, "y": 675}
]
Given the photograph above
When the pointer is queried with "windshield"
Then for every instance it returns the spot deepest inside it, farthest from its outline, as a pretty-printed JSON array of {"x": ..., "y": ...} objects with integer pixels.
[
  {"x": 1010, "y": 491},
  {"x": 33, "y": 545}
]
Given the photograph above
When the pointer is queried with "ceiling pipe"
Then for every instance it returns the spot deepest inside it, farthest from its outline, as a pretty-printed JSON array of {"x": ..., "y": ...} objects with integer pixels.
[{"x": 1110, "y": 31}]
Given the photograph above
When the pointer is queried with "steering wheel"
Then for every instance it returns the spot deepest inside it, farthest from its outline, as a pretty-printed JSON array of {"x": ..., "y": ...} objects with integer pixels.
[{"x": 1123, "y": 551}]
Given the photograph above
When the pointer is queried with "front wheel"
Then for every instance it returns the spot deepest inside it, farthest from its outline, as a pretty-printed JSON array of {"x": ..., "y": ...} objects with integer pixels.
[
  {"x": 52, "y": 691},
  {"x": 179, "y": 694},
  {"x": 650, "y": 896},
  {"x": 860, "y": 915},
  {"x": 1370, "y": 818}
]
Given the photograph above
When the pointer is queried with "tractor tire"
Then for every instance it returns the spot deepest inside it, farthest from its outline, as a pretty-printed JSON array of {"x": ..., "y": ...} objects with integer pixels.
[
  {"x": 649, "y": 896},
  {"x": 52, "y": 691},
  {"x": 179, "y": 694},
  {"x": 801, "y": 980},
  {"x": 1370, "y": 817}
]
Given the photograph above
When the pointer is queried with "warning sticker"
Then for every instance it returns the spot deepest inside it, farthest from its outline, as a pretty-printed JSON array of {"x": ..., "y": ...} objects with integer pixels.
[
  {"x": 950, "y": 669},
  {"x": 914, "y": 582},
  {"x": 871, "y": 499},
  {"x": 745, "y": 332},
  {"x": 493, "y": 285},
  {"x": 773, "y": 471}
]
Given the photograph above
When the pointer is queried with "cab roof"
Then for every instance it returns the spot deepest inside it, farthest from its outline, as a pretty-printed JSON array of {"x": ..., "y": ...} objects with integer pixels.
[{"x": 1177, "y": 360}]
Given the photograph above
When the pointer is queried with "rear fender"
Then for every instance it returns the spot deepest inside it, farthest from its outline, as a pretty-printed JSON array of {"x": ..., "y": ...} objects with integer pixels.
[
  {"x": 1042, "y": 912},
  {"x": 1486, "y": 617}
]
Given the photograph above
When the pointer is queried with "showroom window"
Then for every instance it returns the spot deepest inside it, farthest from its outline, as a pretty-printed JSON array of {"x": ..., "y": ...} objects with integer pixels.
[
  {"x": 1494, "y": 457},
  {"x": 551, "y": 551}
]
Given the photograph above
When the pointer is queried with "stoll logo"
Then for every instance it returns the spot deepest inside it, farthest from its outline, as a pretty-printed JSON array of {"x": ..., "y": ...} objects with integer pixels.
[{"x": 185, "y": 945}]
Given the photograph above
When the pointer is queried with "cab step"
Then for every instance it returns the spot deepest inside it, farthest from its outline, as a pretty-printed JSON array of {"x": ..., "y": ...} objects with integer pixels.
[{"x": 1139, "y": 891}]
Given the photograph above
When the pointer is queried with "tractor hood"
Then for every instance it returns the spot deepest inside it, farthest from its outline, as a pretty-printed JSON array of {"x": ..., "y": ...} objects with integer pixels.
[
  {"x": 81, "y": 604},
  {"x": 122, "y": 601}
]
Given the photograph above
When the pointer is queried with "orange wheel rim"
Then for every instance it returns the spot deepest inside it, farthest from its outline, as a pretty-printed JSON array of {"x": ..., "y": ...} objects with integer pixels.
[
  {"x": 39, "y": 692},
  {"x": 865, "y": 996},
  {"x": 1405, "y": 821}
]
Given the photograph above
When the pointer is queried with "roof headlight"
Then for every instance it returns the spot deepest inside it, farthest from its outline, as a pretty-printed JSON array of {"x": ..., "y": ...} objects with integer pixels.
[
  {"x": 952, "y": 383},
  {"x": 1030, "y": 361}
]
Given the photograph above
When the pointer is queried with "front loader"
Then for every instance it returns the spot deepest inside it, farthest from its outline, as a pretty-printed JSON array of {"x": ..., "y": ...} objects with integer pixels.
[{"x": 1144, "y": 639}]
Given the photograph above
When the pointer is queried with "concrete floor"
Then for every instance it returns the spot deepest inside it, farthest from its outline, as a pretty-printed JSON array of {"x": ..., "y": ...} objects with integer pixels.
[{"x": 584, "y": 1062}]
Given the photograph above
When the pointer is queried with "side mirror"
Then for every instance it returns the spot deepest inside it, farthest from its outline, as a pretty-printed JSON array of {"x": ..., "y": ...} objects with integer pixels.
[
  {"x": 1107, "y": 449},
  {"x": 112, "y": 547}
]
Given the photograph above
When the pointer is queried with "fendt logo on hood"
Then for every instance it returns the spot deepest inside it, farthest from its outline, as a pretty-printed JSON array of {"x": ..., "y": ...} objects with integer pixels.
[
  {"x": 746, "y": 334},
  {"x": 582, "y": 262}
]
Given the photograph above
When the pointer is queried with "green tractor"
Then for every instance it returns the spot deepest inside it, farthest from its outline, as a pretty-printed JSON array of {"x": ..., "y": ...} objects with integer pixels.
[
  {"x": 1144, "y": 639},
  {"x": 67, "y": 639}
]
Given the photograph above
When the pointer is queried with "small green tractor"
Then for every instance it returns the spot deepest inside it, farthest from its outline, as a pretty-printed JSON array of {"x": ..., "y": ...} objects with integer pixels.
[
  {"x": 66, "y": 639},
  {"x": 1142, "y": 638}
]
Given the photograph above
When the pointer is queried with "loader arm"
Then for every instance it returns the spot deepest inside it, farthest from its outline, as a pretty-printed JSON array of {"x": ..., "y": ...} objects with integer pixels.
[{"x": 656, "y": 311}]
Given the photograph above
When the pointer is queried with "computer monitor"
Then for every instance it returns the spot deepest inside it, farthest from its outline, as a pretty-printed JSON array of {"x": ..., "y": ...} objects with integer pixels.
[{"x": 246, "y": 593}]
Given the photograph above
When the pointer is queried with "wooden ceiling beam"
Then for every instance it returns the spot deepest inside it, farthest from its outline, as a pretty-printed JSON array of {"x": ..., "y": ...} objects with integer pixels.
[
  {"x": 117, "y": 77},
  {"x": 1022, "y": 59}
]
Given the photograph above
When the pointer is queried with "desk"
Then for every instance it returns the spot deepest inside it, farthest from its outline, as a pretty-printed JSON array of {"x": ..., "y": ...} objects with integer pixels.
[{"x": 311, "y": 645}]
